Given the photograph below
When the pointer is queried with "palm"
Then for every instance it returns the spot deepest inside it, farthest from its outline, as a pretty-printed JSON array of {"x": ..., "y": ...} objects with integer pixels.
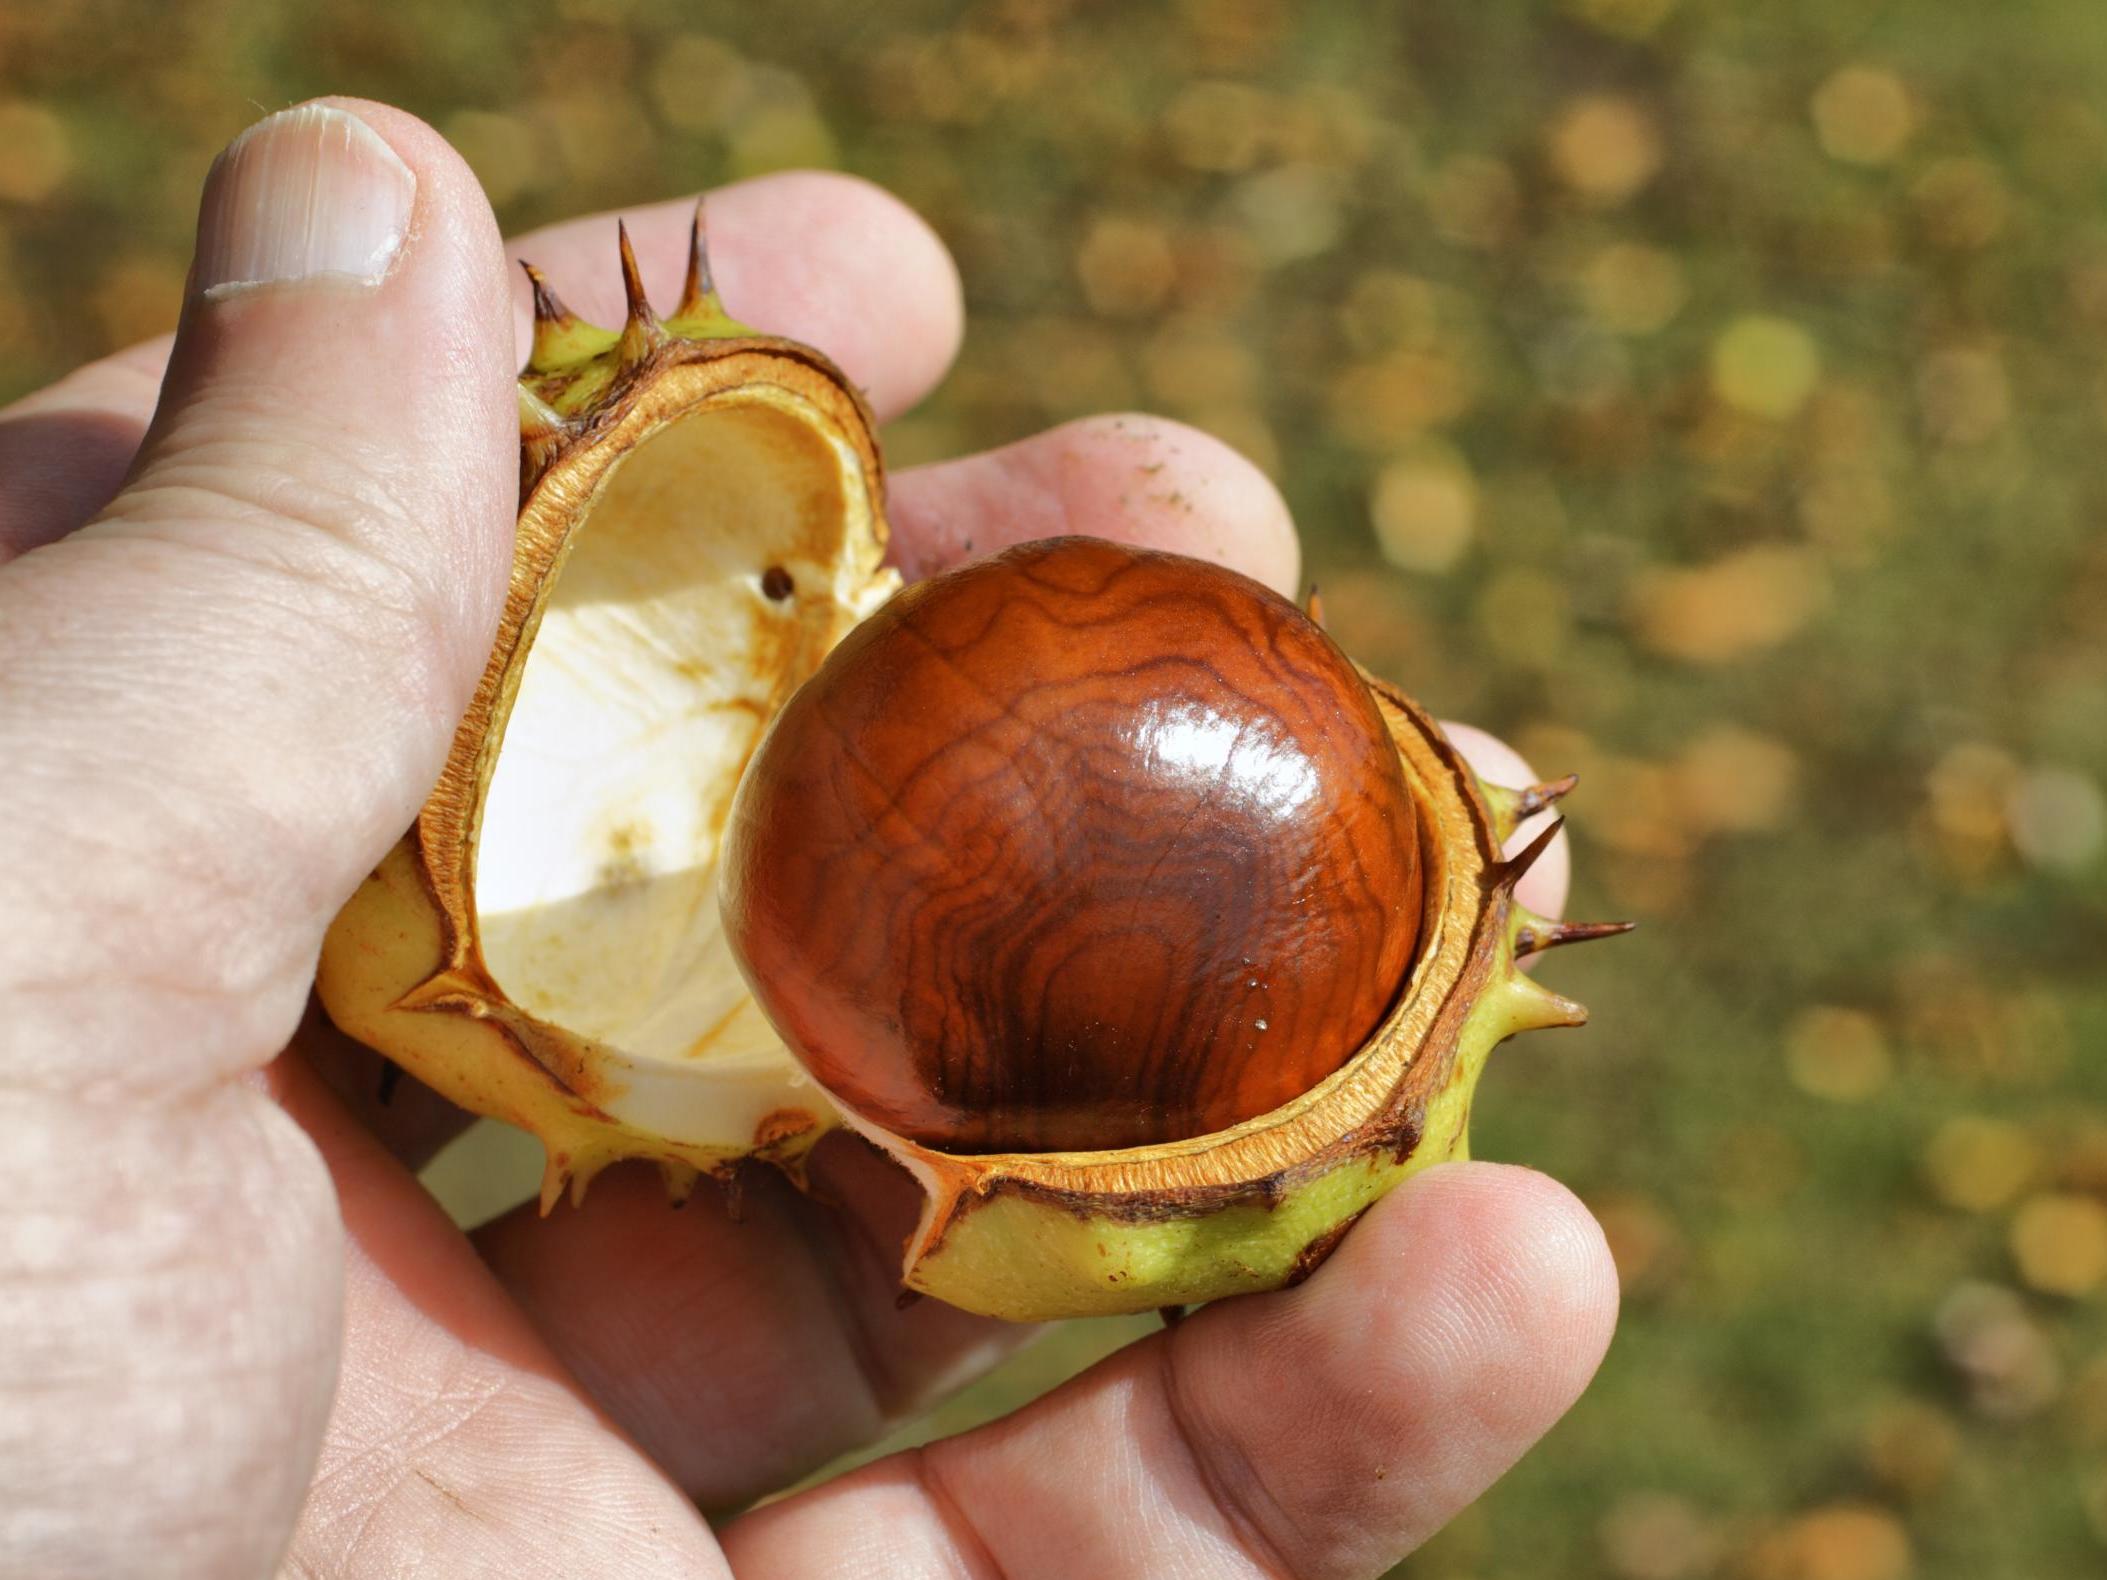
[{"x": 559, "y": 1397}]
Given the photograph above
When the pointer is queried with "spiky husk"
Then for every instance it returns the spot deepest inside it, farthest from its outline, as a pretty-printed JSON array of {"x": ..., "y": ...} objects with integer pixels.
[{"x": 405, "y": 968}]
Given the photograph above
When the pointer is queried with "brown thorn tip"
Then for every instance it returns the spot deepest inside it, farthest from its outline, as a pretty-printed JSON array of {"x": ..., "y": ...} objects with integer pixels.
[
  {"x": 632, "y": 278},
  {"x": 1313, "y": 607},
  {"x": 548, "y": 306},
  {"x": 696, "y": 295},
  {"x": 906, "y": 1299},
  {"x": 1510, "y": 872},
  {"x": 1534, "y": 799},
  {"x": 1171, "y": 1315},
  {"x": 1534, "y": 937}
]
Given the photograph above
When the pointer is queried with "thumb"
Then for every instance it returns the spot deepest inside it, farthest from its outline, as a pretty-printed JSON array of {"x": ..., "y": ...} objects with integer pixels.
[{"x": 231, "y": 691}]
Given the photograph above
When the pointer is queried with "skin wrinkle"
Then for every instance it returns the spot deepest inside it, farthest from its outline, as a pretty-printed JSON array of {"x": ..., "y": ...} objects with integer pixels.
[
  {"x": 444, "y": 1378},
  {"x": 343, "y": 567},
  {"x": 411, "y": 681},
  {"x": 231, "y": 412},
  {"x": 976, "y": 1559},
  {"x": 229, "y": 1158},
  {"x": 400, "y": 1456},
  {"x": 1225, "y": 1490},
  {"x": 884, "y": 1389},
  {"x": 197, "y": 819},
  {"x": 192, "y": 553},
  {"x": 242, "y": 1017}
]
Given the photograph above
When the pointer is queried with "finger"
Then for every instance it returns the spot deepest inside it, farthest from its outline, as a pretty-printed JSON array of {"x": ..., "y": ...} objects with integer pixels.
[
  {"x": 1543, "y": 887},
  {"x": 1135, "y": 479},
  {"x": 458, "y": 1445},
  {"x": 742, "y": 1352},
  {"x": 1320, "y": 1432},
  {"x": 827, "y": 259},
  {"x": 251, "y": 657},
  {"x": 229, "y": 694},
  {"x": 64, "y": 450}
]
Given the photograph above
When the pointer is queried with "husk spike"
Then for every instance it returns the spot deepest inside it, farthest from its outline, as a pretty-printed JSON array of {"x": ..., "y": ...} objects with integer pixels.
[
  {"x": 1511, "y": 808},
  {"x": 679, "y": 1178},
  {"x": 698, "y": 297},
  {"x": 1533, "y": 934},
  {"x": 1533, "y": 1007},
  {"x": 555, "y": 1175},
  {"x": 1510, "y": 872},
  {"x": 641, "y": 331},
  {"x": 555, "y": 325}
]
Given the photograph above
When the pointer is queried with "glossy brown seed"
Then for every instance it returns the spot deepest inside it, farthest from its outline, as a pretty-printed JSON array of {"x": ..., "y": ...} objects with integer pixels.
[{"x": 1077, "y": 847}]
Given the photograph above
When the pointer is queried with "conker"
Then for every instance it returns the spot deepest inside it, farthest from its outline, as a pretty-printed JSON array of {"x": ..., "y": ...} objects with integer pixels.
[{"x": 1077, "y": 847}]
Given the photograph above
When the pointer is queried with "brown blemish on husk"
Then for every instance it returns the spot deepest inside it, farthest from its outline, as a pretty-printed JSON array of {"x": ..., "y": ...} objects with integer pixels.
[{"x": 1313, "y": 1256}]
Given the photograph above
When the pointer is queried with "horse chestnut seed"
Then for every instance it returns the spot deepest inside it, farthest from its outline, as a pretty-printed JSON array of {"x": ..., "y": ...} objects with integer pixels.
[{"x": 1076, "y": 847}]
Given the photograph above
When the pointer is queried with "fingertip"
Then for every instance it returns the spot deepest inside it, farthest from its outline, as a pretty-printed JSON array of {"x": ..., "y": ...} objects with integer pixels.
[
  {"x": 1523, "y": 1259},
  {"x": 1485, "y": 1295},
  {"x": 1456, "y": 1322},
  {"x": 1217, "y": 503},
  {"x": 883, "y": 251},
  {"x": 1127, "y": 477},
  {"x": 880, "y": 251}
]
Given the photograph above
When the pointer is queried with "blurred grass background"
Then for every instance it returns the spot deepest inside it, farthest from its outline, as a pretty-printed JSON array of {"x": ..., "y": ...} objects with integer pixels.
[{"x": 1711, "y": 397}]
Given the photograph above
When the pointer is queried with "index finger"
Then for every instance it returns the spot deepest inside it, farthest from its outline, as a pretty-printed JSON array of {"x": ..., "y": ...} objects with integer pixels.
[{"x": 826, "y": 259}]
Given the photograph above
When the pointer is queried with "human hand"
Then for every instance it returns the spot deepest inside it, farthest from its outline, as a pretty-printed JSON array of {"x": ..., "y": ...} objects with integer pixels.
[{"x": 253, "y": 578}]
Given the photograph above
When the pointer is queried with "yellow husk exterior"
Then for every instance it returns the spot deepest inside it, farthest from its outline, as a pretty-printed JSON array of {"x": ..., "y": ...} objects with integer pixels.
[{"x": 403, "y": 968}]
